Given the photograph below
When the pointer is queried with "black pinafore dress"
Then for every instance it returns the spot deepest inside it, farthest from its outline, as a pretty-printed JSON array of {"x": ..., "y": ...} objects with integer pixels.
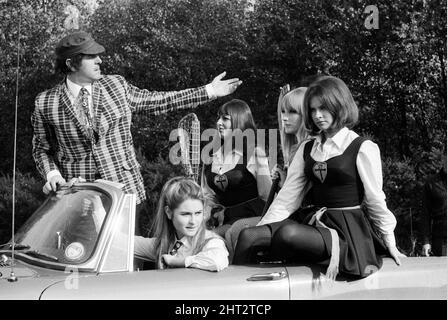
[
  {"x": 337, "y": 184},
  {"x": 237, "y": 191}
]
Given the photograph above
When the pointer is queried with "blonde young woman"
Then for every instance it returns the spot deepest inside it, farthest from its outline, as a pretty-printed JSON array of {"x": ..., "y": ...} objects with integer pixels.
[
  {"x": 181, "y": 239},
  {"x": 291, "y": 127},
  {"x": 292, "y": 133}
]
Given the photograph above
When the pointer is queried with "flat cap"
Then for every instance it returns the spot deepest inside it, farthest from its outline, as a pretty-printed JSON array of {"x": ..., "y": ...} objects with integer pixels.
[{"x": 77, "y": 42}]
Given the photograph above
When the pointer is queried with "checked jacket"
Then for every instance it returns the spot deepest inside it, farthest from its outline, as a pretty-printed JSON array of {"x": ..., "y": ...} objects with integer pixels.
[{"x": 61, "y": 142}]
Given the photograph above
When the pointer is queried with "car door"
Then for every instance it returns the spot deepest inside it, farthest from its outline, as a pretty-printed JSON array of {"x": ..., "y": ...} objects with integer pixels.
[
  {"x": 233, "y": 283},
  {"x": 116, "y": 280}
]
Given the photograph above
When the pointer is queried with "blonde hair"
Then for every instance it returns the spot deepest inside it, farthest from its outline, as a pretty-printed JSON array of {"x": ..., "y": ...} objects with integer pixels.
[
  {"x": 174, "y": 193},
  {"x": 293, "y": 100}
]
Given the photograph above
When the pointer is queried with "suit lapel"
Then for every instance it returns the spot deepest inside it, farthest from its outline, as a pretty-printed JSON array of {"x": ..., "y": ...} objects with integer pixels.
[{"x": 97, "y": 105}]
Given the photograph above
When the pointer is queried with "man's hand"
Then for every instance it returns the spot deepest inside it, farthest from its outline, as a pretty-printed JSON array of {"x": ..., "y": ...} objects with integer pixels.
[
  {"x": 426, "y": 249},
  {"x": 59, "y": 181},
  {"x": 222, "y": 88},
  {"x": 52, "y": 184},
  {"x": 277, "y": 172},
  {"x": 75, "y": 180}
]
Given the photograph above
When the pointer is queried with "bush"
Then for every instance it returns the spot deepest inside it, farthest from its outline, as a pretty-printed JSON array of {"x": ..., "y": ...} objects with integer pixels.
[
  {"x": 28, "y": 198},
  {"x": 155, "y": 174},
  {"x": 29, "y": 195},
  {"x": 404, "y": 199}
]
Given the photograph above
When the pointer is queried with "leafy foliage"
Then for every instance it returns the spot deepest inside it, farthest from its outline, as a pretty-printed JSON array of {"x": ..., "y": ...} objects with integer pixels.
[
  {"x": 28, "y": 198},
  {"x": 397, "y": 72},
  {"x": 155, "y": 174}
]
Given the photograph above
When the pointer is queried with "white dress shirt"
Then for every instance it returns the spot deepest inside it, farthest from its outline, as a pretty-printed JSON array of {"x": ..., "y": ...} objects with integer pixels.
[
  {"x": 369, "y": 167},
  {"x": 212, "y": 257},
  {"x": 74, "y": 90}
]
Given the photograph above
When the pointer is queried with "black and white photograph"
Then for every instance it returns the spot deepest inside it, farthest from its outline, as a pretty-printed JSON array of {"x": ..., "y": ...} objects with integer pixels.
[{"x": 224, "y": 156}]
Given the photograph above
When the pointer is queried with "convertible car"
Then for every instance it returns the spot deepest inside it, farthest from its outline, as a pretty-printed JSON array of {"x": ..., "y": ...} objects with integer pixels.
[{"x": 79, "y": 245}]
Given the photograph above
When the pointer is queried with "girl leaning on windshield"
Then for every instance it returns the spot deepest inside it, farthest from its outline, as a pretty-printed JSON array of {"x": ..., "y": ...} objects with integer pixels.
[{"x": 180, "y": 238}]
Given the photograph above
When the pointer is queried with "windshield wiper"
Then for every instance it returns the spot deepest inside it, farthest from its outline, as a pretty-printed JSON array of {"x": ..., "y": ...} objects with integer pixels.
[
  {"x": 39, "y": 254},
  {"x": 18, "y": 246},
  {"x": 25, "y": 249}
]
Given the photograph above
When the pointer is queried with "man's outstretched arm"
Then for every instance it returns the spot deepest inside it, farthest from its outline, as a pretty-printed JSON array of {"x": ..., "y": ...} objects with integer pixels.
[{"x": 158, "y": 102}]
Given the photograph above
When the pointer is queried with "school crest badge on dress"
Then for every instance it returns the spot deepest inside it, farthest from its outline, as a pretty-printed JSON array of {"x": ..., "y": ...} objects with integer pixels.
[
  {"x": 221, "y": 181},
  {"x": 320, "y": 170}
]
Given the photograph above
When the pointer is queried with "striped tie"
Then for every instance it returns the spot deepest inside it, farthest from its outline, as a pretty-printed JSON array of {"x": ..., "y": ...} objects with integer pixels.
[{"x": 175, "y": 248}]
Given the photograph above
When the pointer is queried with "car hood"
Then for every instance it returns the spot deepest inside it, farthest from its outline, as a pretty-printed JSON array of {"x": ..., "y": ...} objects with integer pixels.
[{"x": 31, "y": 281}]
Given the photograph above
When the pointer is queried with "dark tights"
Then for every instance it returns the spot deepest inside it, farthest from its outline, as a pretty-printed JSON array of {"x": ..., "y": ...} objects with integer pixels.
[
  {"x": 291, "y": 241},
  {"x": 298, "y": 242},
  {"x": 250, "y": 241}
]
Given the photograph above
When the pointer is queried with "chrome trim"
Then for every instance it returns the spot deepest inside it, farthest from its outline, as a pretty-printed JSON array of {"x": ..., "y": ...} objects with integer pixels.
[
  {"x": 131, "y": 224},
  {"x": 271, "y": 276},
  {"x": 108, "y": 242},
  {"x": 130, "y": 255},
  {"x": 93, "y": 263}
]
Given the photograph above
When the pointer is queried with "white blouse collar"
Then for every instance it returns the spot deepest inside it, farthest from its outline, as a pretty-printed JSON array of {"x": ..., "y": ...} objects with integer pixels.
[{"x": 337, "y": 139}]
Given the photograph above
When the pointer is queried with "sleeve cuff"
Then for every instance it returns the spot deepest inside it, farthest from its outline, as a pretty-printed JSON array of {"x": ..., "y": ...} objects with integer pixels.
[
  {"x": 189, "y": 261},
  {"x": 210, "y": 90},
  {"x": 52, "y": 174}
]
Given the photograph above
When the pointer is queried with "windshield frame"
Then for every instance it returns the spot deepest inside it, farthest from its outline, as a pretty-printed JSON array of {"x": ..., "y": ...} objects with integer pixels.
[{"x": 93, "y": 262}]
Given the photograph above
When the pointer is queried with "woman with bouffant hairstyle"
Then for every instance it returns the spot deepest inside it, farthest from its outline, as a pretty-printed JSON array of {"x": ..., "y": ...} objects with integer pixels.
[
  {"x": 238, "y": 177},
  {"x": 336, "y": 98}
]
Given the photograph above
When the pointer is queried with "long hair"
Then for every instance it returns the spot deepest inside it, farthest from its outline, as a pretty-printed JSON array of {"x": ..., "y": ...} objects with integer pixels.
[
  {"x": 240, "y": 113},
  {"x": 293, "y": 100},
  {"x": 175, "y": 192},
  {"x": 335, "y": 96},
  {"x": 242, "y": 125}
]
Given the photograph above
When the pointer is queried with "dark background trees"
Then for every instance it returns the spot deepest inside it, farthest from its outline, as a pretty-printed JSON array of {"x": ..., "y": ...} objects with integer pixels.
[{"x": 396, "y": 72}]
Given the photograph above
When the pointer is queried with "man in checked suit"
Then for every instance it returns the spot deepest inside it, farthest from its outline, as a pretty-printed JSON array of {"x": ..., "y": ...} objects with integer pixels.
[{"x": 82, "y": 125}]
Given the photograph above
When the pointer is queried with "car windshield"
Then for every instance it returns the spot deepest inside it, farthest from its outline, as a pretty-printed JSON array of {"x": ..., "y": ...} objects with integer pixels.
[{"x": 66, "y": 227}]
